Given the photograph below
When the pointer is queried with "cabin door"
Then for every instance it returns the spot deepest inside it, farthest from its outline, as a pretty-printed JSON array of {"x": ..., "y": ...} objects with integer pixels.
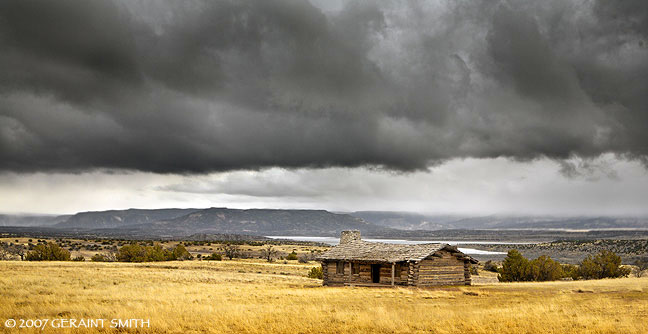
[{"x": 375, "y": 273}]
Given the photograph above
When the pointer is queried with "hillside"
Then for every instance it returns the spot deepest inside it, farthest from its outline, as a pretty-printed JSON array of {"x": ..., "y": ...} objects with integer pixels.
[
  {"x": 153, "y": 223},
  {"x": 415, "y": 221},
  {"x": 120, "y": 218},
  {"x": 260, "y": 222},
  {"x": 185, "y": 222},
  {"x": 31, "y": 220}
]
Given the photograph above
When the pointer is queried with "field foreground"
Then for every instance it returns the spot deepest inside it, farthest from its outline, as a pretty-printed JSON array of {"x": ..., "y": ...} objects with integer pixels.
[{"x": 257, "y": 297}]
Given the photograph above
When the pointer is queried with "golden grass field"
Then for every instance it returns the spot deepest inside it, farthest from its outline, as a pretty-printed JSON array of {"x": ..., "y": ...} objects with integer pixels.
[{"x": 250, "y": 296}]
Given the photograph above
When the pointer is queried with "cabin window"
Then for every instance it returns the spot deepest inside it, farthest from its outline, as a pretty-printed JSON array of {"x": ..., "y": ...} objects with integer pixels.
[
  {"x": 355, "y": 268},
  {"x": 340, "y": 268}
]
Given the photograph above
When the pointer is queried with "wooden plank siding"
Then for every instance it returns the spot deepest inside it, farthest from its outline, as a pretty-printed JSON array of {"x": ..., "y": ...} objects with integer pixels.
[
  {"x": 331, "y": 277},
  {"x": 441, "y": 269}
]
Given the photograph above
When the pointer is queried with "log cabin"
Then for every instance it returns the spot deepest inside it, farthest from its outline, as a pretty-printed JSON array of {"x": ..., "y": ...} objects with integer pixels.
[{"x": 356, "y": 262}]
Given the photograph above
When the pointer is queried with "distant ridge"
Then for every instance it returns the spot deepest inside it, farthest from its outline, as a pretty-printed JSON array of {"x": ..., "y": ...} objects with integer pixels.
[
  {"x": 185, "y": 222},
  {"x": 264, "y": 222},
  {"x": 31, "y": 220},
  {"x": 120, "y": 218},
  {"x": 415, "y": 221}
]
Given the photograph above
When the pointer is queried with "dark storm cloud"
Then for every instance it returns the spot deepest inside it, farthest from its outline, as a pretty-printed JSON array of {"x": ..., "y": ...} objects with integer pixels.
[{"x": 195, "y": 86}]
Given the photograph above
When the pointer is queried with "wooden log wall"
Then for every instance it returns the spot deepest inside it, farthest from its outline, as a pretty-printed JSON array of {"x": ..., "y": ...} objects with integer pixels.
[
  {"x": 442, "y": 269},
  {"x": 325, "y": 273},
  {"x": 410, "y": 274},
  {"x": 467, "y": 279},
  {"x": 331, "y": 277}
]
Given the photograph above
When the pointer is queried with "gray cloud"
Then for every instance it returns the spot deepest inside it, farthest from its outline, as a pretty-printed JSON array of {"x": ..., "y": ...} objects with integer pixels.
[{"x": 202, "y": 86}]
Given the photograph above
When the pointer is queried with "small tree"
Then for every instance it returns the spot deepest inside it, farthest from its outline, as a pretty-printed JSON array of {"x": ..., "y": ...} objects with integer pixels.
[
  {"x": 514, "y": 268},
  {"x": 156, "y": 253},
  {"x": 4, "y": 251},
  {"x": 231, "y": 250},
  {"x": 544, "y": 269},
  {"x": 269, "y": 253},
  {"x": 131, "y": 253},
  {"x": 48, "y": 252},
  {"x": 605, "y": 264},
  {"x": 642, "y": 267},
  {"x": 571, "y": 271},
  {"x": 181, "y": 253},
  {"x": 9, "y": 251}
]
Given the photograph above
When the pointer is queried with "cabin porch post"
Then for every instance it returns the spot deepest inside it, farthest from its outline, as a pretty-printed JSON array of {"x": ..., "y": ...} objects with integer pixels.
[
  {"x": 350, "y": 273},
  {"x": 393, "y": 271}
]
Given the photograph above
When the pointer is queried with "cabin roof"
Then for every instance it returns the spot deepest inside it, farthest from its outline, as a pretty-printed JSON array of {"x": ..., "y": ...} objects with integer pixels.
[{"x": 360, "y": 250}]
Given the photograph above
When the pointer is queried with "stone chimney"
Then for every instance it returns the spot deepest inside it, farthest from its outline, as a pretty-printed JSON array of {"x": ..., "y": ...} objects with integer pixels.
[{"x": 349, "y": 236}]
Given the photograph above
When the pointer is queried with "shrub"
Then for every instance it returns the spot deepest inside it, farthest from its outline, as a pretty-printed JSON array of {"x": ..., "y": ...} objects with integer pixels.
[
  {"x": 316, "y": 272},
  {"x": 605, "y": 264},
  {"x": 544, "y": 269},
  {"x": 79, "y": 258},
  {"x": 292, "y": 256},
  {"x": 303, "y": 258},
  {"x": 156, "y": 253},
  {"x": 490, "y": 266},
  {"x": 214, "y": 257},
  {"x": 474, "y": 270},
  {"x": 48, "y": 252},
  {"x": 571, "y": 271},
  {"x": 98, "y": 258},
  {"x": 181, "y": 253},
  {"x": 132, "y": 253}
]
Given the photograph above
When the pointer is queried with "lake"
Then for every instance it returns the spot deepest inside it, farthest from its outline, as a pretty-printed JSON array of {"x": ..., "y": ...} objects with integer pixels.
[{"x": 335, "y": 241}]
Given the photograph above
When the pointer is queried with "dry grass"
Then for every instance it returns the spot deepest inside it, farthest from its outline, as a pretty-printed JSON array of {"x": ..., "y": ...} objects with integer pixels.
[{"x": 257, "y": 297}]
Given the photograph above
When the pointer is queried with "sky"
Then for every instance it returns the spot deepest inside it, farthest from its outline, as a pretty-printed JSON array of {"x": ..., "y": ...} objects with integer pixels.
[{"x": 466, "y": 107}]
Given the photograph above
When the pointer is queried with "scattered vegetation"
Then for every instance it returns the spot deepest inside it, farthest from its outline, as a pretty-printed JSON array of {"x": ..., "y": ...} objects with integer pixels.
[
  {"x": 137, "y": 253},
  {"x": 574, "y": 251},
  {"x": 48, "y": 252},
  {"x": 517, "y": 268}
]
